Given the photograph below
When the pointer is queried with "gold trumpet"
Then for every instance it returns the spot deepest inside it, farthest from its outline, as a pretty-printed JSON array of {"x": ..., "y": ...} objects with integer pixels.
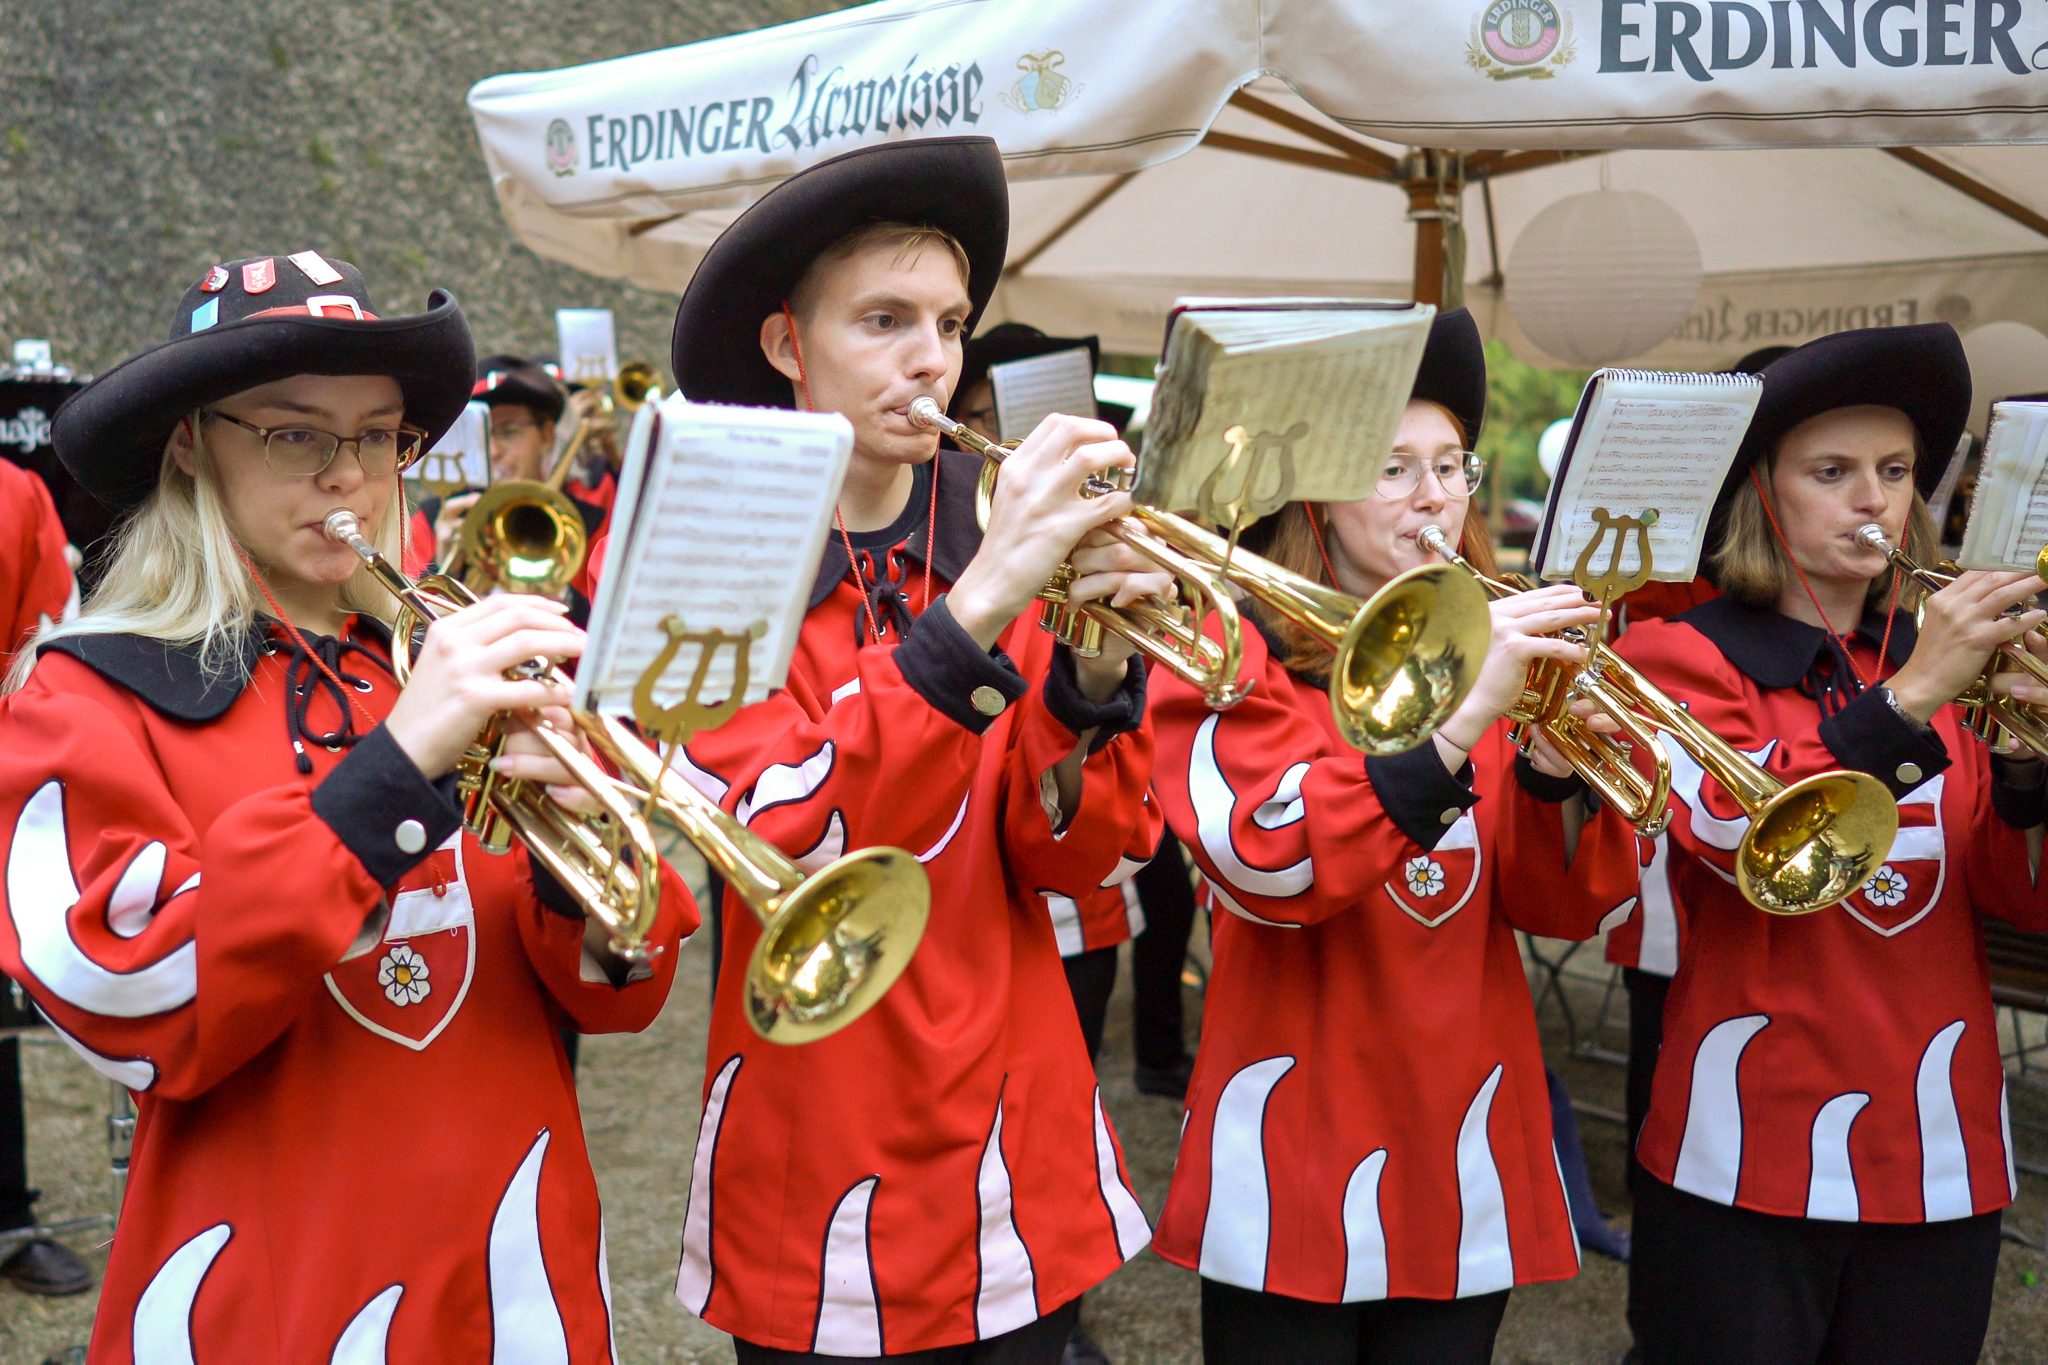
[
  {"x": 1547, "y": 694},
  {"x": 526, "y": 535},
  {"x": 1993, "y": 717},
  {"x": 832, "y": 943},
  {"x": 1402, "y": 660}
]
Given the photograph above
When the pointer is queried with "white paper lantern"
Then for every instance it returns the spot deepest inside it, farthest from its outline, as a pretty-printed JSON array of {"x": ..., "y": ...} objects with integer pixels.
[
  {"x": 2005, "y": 358},
  {"x": 1603, "y": 276}
]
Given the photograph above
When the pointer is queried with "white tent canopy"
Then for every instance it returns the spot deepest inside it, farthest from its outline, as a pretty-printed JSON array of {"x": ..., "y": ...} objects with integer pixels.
[{"x": 1143, "y": 167}]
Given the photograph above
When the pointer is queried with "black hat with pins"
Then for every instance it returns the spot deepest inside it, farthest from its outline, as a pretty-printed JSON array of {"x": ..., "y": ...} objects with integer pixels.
[
  {"x": 508, "y": 378},
  {"x": 1453, "y": 371},
  {"x": 955, "y": 184},
  {"x": 251, "y": 322}
]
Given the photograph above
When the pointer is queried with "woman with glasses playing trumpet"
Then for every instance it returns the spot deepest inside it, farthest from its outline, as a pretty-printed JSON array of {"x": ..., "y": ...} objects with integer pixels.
[
  {"x": 1367, "y": 1167},
  {"x": 1826, "y": 1146},
  {"x": 238, "y": 884}
]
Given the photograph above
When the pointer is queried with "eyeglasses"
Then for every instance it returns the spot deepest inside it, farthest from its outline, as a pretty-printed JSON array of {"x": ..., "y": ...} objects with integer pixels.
[
  {"x": 510, "y": 431},
  {"x": 1458, "y": 472},
  {"x": 303, "y": 452}
]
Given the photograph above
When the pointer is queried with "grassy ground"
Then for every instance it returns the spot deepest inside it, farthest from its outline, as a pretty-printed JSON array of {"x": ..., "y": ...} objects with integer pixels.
[{"x": 640, "y": 1102}]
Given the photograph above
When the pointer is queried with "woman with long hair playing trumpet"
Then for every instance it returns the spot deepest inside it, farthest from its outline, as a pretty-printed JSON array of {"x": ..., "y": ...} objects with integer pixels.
[
  {"x": 237, "y": 881},
  {"x": 1826, "y": 1149},
  {"x": 1367, "y": 1166}
]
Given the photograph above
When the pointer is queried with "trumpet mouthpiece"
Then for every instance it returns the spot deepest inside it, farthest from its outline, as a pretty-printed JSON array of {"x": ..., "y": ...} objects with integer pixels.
[
  {"x": 341, "y": 526},
  {"x": 1432, "y": 539},
  {"x": 925, "y": 410},
  {"x": 1873, "y": 535}
]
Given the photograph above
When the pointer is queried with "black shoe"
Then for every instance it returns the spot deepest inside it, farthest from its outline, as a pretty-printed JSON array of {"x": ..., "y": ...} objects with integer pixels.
[
  {"x": 1082, "y": 1350},
  {"x": 1170, "y": 1081},
  {"x": 47, "y": 1268}
]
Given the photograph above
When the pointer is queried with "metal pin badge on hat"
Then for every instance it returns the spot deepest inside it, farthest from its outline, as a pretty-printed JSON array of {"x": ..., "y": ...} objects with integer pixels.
[
  {"x": 259, "y": 276},
  {"x": 215, "y": 281}
]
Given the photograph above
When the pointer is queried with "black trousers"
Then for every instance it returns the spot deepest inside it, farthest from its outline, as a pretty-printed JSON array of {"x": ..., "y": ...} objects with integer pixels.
[
  {"x": 17, "y": 1200},
  {"x": 1710, "y": 1283},
  {"x": 1035, "y": 1343},
  {"x": 1091, "y": 976},
  {"x": 1247, "y": 1327},
  {"x": 1158, "y": 1033},
  {"x": 1646, "y": 992}
]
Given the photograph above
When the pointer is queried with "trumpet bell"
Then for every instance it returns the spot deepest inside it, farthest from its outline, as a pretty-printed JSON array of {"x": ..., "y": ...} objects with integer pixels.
[
  {"x": 1409, "y": 658},
  {"x": 836, "y": 945},
  {"x": 523, "y": 537},
  {"x": 1815, "y": 842},
  {"x": 635, "y": 383}
]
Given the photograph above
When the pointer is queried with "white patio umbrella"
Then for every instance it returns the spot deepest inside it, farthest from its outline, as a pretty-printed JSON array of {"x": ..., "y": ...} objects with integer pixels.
[{"x": 1231, "y": 146}]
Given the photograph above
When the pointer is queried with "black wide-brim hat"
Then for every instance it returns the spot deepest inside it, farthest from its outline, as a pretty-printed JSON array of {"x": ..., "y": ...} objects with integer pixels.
[
  {"x": 1008, "y": 341},
  {"x": 1920, "y": 370},
  {"x": 1453, "y": 371},
  {"x": 955, "y": 184},
  {"x": 252, "y": 322},
  {"x": 515, "y": 379}
]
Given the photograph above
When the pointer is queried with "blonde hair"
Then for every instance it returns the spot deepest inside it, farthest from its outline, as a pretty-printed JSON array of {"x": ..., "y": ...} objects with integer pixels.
[
  {"x": 1298, "y": 548},
  {"x": 174, "y": 574},
  {"x": 1752, "y": 565},
  {"x": 908, "y": 239}
]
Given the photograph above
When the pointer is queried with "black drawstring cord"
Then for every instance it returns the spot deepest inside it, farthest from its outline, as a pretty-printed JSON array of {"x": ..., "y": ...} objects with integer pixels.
[{"x": 301, "y": 673}]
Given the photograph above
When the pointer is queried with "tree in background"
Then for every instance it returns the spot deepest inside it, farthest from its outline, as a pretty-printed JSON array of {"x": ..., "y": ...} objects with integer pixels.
[{"x": 1521, "y": 401}]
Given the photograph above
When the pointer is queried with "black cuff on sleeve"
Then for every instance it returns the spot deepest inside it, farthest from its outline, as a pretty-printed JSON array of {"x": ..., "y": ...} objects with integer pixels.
[
  {"x": 552, "y": 894},
  {"x": 950, "y": 671},
  {"x": 2019, "y": 805},
  {"x": 1423, "y": 799},
  {"x": 376, "y": 797},
  {"x": 1121, "y": 714},
  {"x": 1544, "y": 787},
  {"x": 1870, "y": 735}
]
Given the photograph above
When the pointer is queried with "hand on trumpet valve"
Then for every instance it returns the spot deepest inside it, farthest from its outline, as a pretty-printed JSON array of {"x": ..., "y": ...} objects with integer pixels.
[
  {"x": 1960, "y": 626},
  {"x": 458, "y": 683},
  {"x": 525, "y": 757},
  {"x": 1038, "y": 516},
  {"x": 1525, "y": 629},
  {"x": 1106, "y": 570},
  {"x": 1544, "y": 754}
]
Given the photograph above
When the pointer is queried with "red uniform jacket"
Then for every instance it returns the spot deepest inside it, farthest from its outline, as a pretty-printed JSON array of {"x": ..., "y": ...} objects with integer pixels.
[
  {"x": 1840, "y": 1065},
  {"x": 358, "y": 1136},
  {"x": 941, "y": 1171},
  {"x": 1368, "y": 1117},
  {"x": 35, "y": 578}
]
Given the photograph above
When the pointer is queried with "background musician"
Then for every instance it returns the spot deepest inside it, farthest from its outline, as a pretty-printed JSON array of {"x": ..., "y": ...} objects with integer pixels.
[
  {"x": 36, "y": 588},
  {"x": 939, "y": 1176},
  {"x": 238, "y": 882},
  {"x": 1826, "y": 1150},
  {"x": 1367, "y": 1167}
]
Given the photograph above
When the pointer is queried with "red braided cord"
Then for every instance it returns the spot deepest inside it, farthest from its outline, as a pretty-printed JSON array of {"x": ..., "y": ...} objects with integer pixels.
[{"x": 1316, "y": 529}]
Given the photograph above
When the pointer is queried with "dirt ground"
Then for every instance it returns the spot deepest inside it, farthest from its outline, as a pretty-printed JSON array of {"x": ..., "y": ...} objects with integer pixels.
[{"x": 640, "y": 1102}]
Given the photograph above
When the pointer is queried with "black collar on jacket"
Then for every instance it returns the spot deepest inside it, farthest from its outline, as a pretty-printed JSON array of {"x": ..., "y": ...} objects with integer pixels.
[
  {"x": 170, "y": 677},
  {"x": 955, "y": 528},
  {"x": 1775, "y": 651}
]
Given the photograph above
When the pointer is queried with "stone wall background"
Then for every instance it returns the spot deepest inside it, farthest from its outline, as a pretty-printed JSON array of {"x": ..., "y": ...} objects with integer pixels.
[{"x": 141, "y": 144}]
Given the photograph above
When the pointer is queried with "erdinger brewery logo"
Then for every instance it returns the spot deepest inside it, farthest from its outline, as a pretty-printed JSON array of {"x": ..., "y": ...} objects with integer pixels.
[
  {"x": 1512, "y": 38},
  {"x": 1041, "y": 87},
  {"x": 561, "y": 147},
  {"x": 29, "y": 429}
]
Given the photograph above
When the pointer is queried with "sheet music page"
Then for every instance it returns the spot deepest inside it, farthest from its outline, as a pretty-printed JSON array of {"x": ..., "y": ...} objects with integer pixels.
[
  {"x": 1027, "y": 391},
  {"x": 727, "y": 523},
  {"x": 1945, "y": 490},
  {"x": 2009, "y": 514},
  {"x": 586, "y": 344},
  {"x": 1312, "y": 390},
  {"x": 460, "y": 459},
  {"x": 1647, "y": 440}
]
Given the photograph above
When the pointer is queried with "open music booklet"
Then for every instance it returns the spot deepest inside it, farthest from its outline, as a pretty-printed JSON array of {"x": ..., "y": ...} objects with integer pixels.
[
  {"x": 2009, "y": 512},
  {"x": 721, "y": 515},
  {"x": 1028, "y": 391},
  {"x": 1265, "y": 401},
  {"x": 1640, "y": 440}
]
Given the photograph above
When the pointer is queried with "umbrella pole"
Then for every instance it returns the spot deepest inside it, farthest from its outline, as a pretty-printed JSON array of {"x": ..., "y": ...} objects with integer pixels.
[{"x": 1435, "y": 181}]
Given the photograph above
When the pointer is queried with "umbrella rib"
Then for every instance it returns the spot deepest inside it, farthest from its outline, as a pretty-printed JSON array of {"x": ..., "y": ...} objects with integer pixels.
[
  {"x": 1970, "y": 185},
  {"x": 1069, "y": 223},
  {"x": 1377, "y": 160},
  {"x": 1298, "y": 156}
]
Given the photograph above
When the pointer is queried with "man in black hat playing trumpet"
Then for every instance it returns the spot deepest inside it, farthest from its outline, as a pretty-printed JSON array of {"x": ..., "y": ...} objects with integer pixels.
[{"x": 939, "y": 1176}]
